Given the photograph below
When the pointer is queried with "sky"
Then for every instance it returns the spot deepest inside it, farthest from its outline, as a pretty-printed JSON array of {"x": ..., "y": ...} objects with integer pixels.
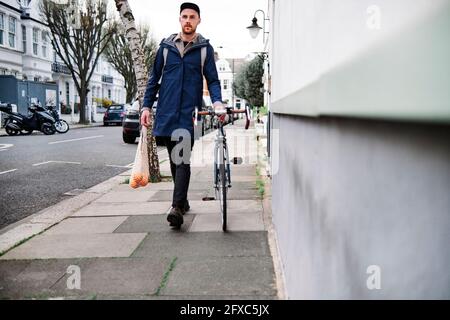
[{"x": 223, "y": 22}]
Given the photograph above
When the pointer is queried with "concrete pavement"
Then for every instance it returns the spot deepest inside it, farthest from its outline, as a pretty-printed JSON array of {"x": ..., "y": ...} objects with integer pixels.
[{"x": 118, "y": 244}]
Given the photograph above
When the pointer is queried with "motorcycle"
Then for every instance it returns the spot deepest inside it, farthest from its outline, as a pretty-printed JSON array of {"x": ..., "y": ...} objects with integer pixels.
[
  {"x": 38, "y": 119},
  {"x": 61, "y": 125}
]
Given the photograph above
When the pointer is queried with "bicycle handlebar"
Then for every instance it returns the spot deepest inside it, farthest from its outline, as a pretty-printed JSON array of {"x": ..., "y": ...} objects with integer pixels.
[{"x": 225, "y": 111}]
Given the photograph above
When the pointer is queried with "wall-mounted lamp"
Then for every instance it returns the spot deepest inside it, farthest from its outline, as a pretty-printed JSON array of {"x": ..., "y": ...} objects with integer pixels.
[{"x": 254, "y": 27}]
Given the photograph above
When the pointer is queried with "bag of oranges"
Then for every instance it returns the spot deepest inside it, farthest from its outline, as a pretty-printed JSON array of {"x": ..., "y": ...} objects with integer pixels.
[{"x": 140, "y": 173}]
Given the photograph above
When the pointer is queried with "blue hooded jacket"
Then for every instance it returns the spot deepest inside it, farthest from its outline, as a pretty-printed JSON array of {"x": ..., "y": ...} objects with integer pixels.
[{"x": 181, "y": 88}]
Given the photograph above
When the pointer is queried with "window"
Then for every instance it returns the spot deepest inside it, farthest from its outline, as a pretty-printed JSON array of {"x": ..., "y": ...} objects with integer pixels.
[
  {"x": 12, "y": 32},
  {"x": 24, "y": 39},
  {"x": 35, "y": 41},
  {"x": 37, "y": 79},
  {"x": 109, "y": 94},
  {"x": 44, "y": 43},
  {"x": 225, "y": 84},
  {"x": 67, "y": 94},
  {"x": 2, "y": 27}
]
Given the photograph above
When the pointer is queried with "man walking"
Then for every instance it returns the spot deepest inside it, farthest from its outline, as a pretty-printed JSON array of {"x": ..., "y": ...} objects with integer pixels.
[{"x": 181, "y": 62}]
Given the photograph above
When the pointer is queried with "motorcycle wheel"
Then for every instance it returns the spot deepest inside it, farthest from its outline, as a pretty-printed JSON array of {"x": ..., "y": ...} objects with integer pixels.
[
  {"x": 9, "y": 131},
  {"x": 61, "y": 126},
  {"x": 48, "y": 129}
]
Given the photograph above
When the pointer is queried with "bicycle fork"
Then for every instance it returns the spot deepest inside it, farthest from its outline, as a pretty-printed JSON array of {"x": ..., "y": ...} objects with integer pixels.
[{"x": 221, "y": 157}]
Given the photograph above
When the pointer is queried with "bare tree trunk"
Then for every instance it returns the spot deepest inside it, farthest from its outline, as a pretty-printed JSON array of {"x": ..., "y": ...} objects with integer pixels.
[
  {"x": 82, "y": 109},
  {"x": 134, "y": 39}
]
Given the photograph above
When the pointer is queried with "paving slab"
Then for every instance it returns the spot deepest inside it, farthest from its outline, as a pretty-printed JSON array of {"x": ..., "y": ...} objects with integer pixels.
[
  {"x": 167, "y": 195},
  {"x": 125, "y": 196},
  {"x": 203, "y": 244},
  {"x": 243, "y": 194},
  {"x": 234, "y": 207},
  {"x": 217, "y": 276},
  {"x": 9, "y": 272},
  {"x": 149, "y": 187},
  {"x": 235, "y": 222},
  {"x": 154, "y": 223},
  {"x": 124, "y": 209},
  {"x": 76, "y": 246},
  {"x": 34, "y": 279},
  {"x": 116, "y": 276},
  {"x": 234, "y": 178},
  {"x": 87, "y": 225}
]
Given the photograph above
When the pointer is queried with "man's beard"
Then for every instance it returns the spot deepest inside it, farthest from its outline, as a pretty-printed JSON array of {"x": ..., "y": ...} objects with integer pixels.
[{"x": 189, "y": 30}]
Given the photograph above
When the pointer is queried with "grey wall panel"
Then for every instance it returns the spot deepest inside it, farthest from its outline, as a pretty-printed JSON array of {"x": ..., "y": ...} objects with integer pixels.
[{"x": 354, "y": 193}]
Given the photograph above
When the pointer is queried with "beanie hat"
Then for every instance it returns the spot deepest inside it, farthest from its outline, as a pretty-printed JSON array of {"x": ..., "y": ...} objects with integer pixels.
[{"x": 190, "y": 5}]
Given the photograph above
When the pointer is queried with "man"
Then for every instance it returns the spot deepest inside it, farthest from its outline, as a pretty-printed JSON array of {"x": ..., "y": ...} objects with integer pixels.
[{"x": 177, "y": 75}]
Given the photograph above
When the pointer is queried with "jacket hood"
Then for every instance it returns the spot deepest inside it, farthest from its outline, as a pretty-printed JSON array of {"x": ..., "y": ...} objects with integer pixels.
[{"x": 170, "y": 40}]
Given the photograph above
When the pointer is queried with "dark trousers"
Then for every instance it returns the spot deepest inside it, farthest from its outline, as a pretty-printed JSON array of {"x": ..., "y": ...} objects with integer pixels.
[{"x": 181, "y": 173}]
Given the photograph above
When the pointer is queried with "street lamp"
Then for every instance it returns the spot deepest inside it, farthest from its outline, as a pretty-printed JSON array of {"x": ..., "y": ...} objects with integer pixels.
[{"x": 254, "y": 28}]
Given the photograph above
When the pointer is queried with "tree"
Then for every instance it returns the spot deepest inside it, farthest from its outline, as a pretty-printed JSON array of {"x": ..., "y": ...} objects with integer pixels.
[
  {"x": 118, "y": 53},
  {"x": 137, "y": 53},
  {"x": 248, "y": 82},
  {"x": 79, "y": 34}
]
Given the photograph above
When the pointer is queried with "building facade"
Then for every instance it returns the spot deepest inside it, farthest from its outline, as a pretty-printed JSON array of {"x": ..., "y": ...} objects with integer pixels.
[
  {"x": 26, "y": 53},
  {"x": 360, "y": 156}
]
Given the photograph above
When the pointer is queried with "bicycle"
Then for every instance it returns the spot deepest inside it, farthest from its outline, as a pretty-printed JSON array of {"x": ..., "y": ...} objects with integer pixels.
[{"x": 222, "y": 172}]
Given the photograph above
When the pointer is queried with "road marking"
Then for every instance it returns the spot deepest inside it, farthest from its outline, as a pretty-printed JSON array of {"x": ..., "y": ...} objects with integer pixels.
[
  {"x": 8, "y": 171},
  {"x": 4, "y": 147},
  {"x": 47, "y": 162},
  {"x": 72, "y": 140},
  {"x": 128, "y": 166},
  {"x": 114, "y": 166}
]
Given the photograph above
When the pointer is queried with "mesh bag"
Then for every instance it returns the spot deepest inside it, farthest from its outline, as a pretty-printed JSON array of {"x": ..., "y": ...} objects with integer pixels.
[{"x": 140, "y": 173}]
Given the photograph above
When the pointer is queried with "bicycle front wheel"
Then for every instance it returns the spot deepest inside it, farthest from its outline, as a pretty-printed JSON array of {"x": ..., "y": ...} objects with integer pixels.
[{"x": 222, "y": 186}]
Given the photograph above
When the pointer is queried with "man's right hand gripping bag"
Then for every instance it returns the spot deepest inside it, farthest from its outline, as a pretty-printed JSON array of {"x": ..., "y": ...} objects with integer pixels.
[{"x": 140, "y": 173}]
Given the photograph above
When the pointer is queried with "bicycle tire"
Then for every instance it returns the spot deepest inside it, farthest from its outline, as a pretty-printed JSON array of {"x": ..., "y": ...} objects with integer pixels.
[{"x": 223, "y": 195}]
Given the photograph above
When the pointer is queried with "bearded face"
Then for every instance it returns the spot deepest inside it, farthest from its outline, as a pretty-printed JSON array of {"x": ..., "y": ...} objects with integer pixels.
[{"x": 189, "y": 20}]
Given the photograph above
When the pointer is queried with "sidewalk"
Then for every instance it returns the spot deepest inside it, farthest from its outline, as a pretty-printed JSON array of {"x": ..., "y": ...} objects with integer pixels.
[{"x": 120, "y": 242}]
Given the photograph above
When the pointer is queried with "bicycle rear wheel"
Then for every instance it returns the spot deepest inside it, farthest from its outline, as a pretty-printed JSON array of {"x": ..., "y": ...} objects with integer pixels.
[{"x": 222, "y": 193}]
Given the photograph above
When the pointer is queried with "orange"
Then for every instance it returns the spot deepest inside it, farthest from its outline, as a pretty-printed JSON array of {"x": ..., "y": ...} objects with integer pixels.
[
  {"x": 144, "y": 181},
  {"x": 137, "y": 177},
  {"x": 134, "y": 184}
]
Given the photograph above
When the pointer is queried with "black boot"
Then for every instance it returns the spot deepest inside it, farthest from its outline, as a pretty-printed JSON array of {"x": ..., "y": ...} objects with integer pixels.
[{"x": 175, "y": 217}]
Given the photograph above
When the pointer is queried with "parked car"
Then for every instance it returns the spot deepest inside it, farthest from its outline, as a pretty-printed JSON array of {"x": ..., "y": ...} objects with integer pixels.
[
  {"x": 131, "y": 124},
  {"x": 114, "y": 114}
]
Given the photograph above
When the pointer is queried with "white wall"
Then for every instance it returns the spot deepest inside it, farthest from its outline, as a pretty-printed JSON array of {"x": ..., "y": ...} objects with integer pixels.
[
  {"x": 327, "y": 61},
  {"x": 313, "y": 36}
]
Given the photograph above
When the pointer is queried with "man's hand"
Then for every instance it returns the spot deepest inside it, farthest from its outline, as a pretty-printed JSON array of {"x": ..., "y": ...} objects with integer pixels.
[
  {"x": 145, "y": 118},
  {"x": 219, "y": 107}
]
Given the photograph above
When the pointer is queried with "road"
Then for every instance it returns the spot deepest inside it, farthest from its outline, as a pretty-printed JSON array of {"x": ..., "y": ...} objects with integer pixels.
[{"x": 36, "y": 171}]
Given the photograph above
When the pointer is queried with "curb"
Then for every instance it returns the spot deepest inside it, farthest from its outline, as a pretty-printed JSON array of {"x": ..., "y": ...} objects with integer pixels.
[
  {"x": 35, "y": 224},
  {"x": 268, "y": 223}
]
